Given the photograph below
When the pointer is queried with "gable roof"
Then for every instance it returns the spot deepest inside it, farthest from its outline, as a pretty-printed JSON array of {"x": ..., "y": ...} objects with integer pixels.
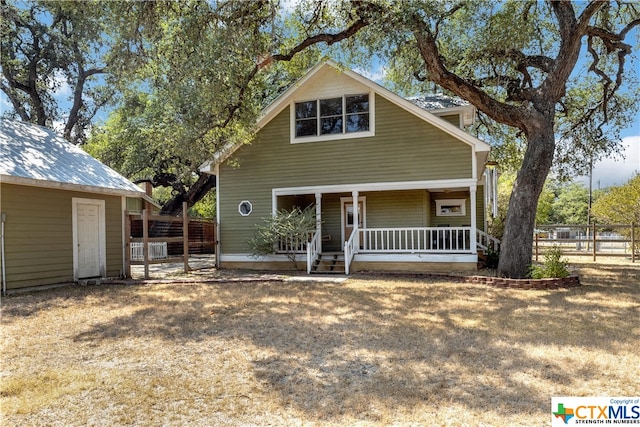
[
  {"x": 285, "y": 99},
  {"x": 36, "y": 156}
]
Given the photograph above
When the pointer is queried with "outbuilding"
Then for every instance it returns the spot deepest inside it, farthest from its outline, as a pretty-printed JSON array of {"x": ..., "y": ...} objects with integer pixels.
[{"x": 63, "y": 211}]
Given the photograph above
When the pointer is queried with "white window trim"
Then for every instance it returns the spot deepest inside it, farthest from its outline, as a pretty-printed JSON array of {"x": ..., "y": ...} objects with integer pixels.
[
  {"x": 335, "y": 136},
  {"x": 460, "y": 202},
  {"x": 343, "y": 220},
  {"x": 250, "y": 208}
]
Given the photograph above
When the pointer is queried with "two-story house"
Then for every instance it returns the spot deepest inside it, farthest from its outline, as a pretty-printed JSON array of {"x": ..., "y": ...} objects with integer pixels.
[{"x": 395, "y": 187}]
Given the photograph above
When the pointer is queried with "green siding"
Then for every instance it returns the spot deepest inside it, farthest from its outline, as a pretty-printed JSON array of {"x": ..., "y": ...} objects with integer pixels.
[
  {"x": 39, "y": 236},
  {"x": 384, "y": 209},
  {"x": 389, "y": 209},
  {"x": 457, "y": 221},
  {"x": 405, "y": 148},
  {"x": 114, "y": 232},
  {"x": 134, "y": 205}
]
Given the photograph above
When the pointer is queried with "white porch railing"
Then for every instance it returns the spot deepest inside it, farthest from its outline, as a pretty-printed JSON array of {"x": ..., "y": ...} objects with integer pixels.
[
  {"x": 313, "y": 248},
  {"x": 416, "y": 239},
  {"x": 350, "y": 249},
  {"x": 486, "y": 241},
  {"x": 297, "y": 245},
  {"x": 433, "y": 240},
  {"x": 157, "y": 250}
]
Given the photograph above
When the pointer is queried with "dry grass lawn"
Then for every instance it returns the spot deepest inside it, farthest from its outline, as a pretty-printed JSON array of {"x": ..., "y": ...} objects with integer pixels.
[{"x": 368, "y": 351}]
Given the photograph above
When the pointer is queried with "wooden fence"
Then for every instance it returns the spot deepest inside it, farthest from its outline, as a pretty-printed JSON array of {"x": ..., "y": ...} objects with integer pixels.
[
  {"x": 166, "y": 239},
  {"x": 589, "y": 240}
]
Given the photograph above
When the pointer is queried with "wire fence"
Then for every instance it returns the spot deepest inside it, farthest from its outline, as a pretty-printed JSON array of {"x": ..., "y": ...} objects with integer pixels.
[{"x": 589, "y": 240}]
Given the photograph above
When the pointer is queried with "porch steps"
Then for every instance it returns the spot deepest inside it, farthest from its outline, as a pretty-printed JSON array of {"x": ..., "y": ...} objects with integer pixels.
[{"x": 329, "y": 264}]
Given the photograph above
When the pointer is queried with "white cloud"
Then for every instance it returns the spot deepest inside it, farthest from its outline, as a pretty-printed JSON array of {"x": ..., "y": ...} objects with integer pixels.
[
  {"x": 617, "y": 171},
  {"x": 375, "y": 74},
  {"x": 62, "y": 88}
]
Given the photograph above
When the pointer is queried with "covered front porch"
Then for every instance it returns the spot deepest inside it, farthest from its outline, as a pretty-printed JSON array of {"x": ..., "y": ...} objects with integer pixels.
[{"x": 427, "y": 226}]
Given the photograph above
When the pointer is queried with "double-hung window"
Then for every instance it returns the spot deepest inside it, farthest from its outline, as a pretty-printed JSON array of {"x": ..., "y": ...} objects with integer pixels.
[{"x": 332, "y": 116}]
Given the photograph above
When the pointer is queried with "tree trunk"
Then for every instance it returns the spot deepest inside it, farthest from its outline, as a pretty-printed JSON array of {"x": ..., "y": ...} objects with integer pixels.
[
  {"x": 195, "y": 193},
  {"x": 517, "y": 241}
]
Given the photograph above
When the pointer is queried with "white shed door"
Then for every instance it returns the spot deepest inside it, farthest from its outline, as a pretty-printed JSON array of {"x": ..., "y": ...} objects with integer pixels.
[{"x": 88, "y": 223}]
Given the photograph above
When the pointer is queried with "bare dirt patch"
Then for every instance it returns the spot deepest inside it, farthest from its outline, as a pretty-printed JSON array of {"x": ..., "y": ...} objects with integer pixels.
[{"x": 367, "y": 351}]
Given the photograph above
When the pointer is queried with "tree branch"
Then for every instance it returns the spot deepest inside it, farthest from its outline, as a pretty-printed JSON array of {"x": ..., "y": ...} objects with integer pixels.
[
  {"x": 327, "y": 38},
  {"x": 438, "y": 73},
  {"x": 571, "y": 32},
  {"x": 541, "y": 62}
]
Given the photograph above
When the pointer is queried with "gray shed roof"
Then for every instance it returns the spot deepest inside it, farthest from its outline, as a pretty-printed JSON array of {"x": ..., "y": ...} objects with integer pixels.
[
  {"x": 437, "y": 101},
  {"x": 34, "y": 155}
]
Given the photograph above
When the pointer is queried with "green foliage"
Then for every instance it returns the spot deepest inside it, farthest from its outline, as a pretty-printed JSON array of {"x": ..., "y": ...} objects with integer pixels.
[
  {"x": 546, "y": 201},
  {"x": 140, "y": 142},
  {"x": 506, "y": 181},
  {"x": 191, "y": 85},
  {"x": 205, "y": 207},
  {"x": 582, "y": 138},
  {"x": 286, "y": 226},
  {"x": 621, "y": 204},
  {"x": 52, "y": 57},
  {"x": 493, "y": 256},
  {"x": 571, "y": 205},
  {"x": 505, "y": 185},
  {"x": 554, "y": 266}
]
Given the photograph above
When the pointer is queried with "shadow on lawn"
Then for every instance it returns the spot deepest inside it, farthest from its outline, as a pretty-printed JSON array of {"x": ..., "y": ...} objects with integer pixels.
[
  {"x": 22, "y": 305},
  {"x": 336, "y": 350}
]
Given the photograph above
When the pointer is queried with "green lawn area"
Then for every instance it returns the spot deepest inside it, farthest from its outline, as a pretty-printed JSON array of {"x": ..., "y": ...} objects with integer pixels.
[{"x": 372, "y": 350}]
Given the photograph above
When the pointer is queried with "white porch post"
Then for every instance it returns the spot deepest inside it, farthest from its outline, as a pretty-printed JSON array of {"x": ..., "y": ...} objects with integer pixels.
[
  {"x": 319, "y": 222},
  {"x": 472, "y": 238},
  {"x": 356, "y": 220}
]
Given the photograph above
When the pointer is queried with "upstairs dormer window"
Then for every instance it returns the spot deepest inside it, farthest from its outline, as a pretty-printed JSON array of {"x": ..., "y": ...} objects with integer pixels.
[{"x": 333, "y": 116}]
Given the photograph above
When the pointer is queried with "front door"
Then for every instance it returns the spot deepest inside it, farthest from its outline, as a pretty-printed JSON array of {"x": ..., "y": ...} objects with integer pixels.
[
  {"x": 347, "y": 218},
  {"x": 89, "y": 238},
  {"x": 88, "y": 222}
]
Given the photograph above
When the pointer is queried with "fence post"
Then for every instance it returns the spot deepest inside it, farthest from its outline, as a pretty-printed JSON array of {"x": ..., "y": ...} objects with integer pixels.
[
  {"x": 536, "y": 245},
  {"x": 594, "y": 241},
  {"x": 145, "y": 242},
  {"x": 185, "y": 236},
  {"x": 633, "y": 241}
]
